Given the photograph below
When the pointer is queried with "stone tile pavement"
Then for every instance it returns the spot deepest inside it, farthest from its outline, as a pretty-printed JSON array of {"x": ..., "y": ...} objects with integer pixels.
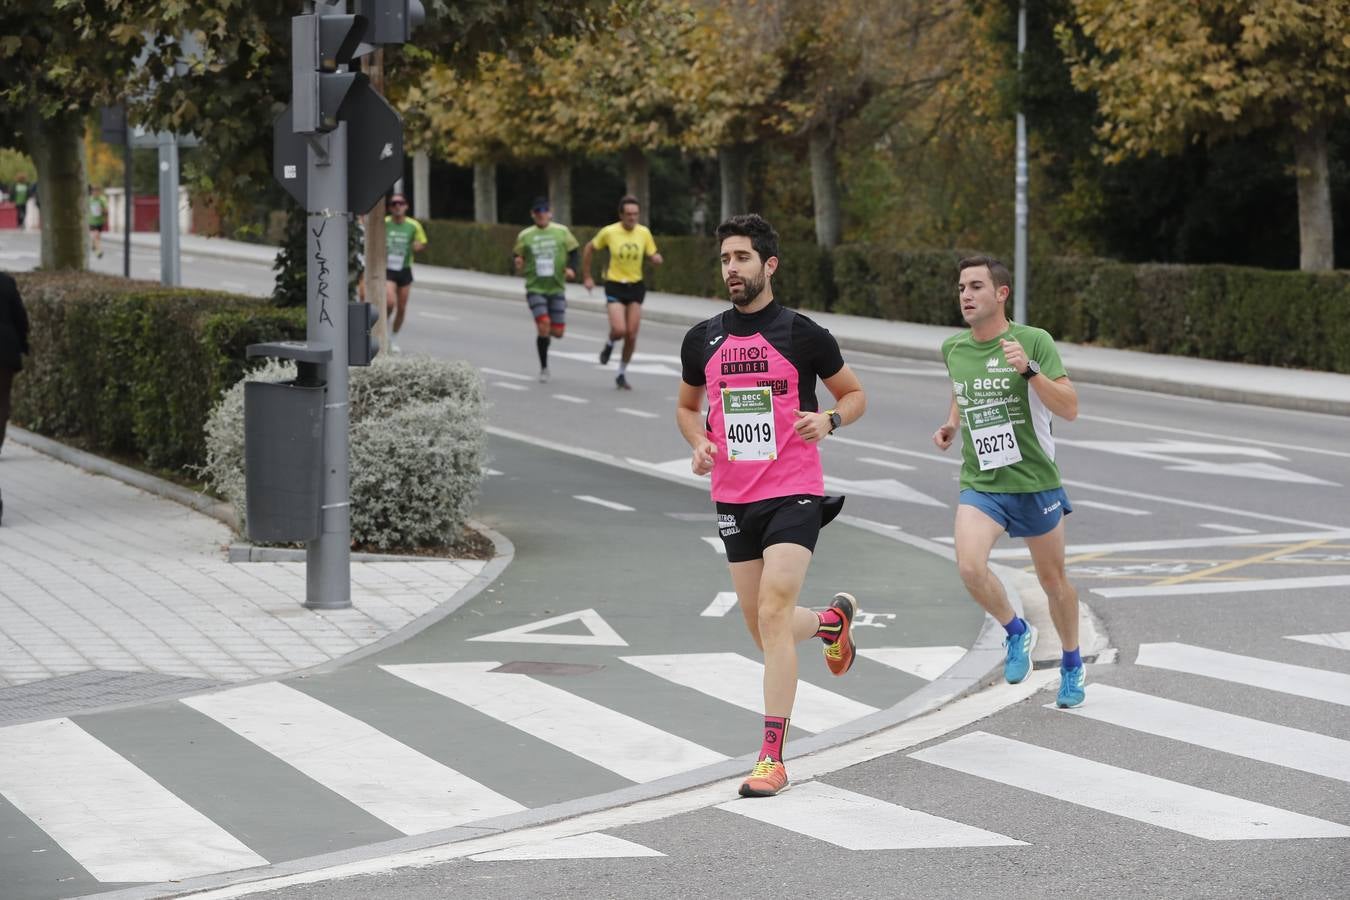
[{"x": 96, "y": 575}]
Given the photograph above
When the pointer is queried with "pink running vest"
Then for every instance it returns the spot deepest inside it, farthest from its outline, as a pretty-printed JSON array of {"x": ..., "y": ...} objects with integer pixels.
[{"x": 750, "y": 383}]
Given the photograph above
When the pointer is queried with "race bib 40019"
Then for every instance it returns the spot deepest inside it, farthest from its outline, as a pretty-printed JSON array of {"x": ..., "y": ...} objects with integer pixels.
[{"x": 747, "y": 416}]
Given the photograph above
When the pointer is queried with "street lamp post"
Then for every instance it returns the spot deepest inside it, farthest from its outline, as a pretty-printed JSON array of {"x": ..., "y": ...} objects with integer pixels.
[{"x": 1020, "y": 198}]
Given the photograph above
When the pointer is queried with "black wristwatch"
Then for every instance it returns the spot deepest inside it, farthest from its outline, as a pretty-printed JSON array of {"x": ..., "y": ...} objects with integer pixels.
[
  {"x": 1033, "y": 369},
  {"x": 836, "y": 420}
]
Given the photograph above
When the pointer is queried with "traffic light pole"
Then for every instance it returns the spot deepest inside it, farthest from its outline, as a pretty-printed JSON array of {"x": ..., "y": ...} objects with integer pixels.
[{"x": 328, "y": 583}]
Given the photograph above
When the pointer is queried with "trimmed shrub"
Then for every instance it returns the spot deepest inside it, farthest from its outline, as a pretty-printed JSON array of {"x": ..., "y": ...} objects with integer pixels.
[
  {"x": 418, "y": 447},
  {"x": 134, "y": 367}
]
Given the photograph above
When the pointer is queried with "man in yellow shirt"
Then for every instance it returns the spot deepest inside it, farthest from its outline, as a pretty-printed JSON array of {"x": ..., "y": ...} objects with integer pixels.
[{"x": 629, "y": 244}]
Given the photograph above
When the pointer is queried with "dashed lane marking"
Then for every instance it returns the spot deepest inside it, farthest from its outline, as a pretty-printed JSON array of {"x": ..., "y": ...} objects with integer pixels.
[{"x": 607, "y": 504}]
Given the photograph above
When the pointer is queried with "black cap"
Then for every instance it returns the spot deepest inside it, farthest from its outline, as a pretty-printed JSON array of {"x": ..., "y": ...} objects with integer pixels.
[{"x": 540, "y": 204}]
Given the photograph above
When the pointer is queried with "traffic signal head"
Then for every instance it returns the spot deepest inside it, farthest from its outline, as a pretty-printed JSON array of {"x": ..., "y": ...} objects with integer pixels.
[
  {"x": 390, "y": 21},
  {"x": 320, "y": 46},
  {"x": 361, "y": 344}
]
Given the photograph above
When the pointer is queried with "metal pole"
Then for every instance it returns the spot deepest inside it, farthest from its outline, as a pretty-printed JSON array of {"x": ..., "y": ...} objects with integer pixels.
[
  {"x": 169, "y": 269},
  {"x": 1020, "y": 200},
  {"x": 328, "y": 560},
  {"x": 127, "y": 199}
]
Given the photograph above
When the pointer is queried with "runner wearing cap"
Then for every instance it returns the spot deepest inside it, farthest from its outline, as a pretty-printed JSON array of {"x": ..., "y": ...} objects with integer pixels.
[{"x": 546, "y": 253}]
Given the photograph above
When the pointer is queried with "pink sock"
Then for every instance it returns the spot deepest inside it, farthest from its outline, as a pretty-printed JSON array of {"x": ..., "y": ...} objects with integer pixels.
[
  {"x": 775, "y": 734},
  {"x": 831, "y": 623}
]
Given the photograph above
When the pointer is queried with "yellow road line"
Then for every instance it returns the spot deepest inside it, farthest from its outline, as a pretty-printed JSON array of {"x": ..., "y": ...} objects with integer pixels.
[{"x": 1239, "y": 563}]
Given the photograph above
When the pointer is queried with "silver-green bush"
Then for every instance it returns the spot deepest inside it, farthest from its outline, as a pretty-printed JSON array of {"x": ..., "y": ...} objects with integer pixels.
[{"x": 418, "y": 447}]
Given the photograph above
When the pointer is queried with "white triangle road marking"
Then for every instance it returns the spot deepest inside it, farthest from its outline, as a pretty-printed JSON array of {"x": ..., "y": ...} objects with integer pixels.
[
  {"x": 601, "y": 634},
  {"x": 721, "y": 604}
]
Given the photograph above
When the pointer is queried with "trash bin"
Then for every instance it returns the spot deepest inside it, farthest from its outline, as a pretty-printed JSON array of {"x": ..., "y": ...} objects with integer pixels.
[{"x": 283, "y": 460}]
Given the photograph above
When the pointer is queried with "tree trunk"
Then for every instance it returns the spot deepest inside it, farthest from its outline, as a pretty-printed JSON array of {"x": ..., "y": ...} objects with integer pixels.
[
  {"x": 485, "y": 193},
  {"x": 825, "y": 186},
  {"x": 560, "y": 190},
  {"x": 422, "y": 185},
  {"x": 57, "y": 146},
  {"x": 638, "y": 180},
  {"x": 734, "y": 165},
  {"x": 1315, "y": 230}
]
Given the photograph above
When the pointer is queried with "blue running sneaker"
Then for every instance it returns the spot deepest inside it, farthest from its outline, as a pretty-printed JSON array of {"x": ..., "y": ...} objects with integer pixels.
[
  {"x": 1071, "y": 692},
  {"x": 1017, "y": 666}
]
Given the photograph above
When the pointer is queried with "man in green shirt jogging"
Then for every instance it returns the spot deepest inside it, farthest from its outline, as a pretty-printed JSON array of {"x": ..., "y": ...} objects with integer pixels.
[
  {"x": 98, "y": 217},
  {"x": 403, "y": 236},
  {"x": 1007, "y": 382},
  {"x": 547, "y": 253}
]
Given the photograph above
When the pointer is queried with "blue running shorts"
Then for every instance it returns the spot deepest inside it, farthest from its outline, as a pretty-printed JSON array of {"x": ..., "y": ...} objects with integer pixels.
[{"x": 1021, "y": 515}]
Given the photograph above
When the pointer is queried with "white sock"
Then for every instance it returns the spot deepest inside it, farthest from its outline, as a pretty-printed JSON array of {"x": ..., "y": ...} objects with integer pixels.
[{"x": 623, "y": 367}]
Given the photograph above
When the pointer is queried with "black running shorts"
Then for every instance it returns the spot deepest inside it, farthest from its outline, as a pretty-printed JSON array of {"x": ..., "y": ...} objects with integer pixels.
[
  {"x": 400, "y": 278},
  {"x": 747, "y": 528},
  {"x": 625, "y": 292}
]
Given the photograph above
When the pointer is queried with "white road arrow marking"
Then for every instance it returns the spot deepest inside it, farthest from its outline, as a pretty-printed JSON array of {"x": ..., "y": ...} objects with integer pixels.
[{"x": 1174, "y": 452}]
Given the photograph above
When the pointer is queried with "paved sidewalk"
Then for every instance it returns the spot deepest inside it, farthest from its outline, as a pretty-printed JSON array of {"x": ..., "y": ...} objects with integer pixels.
[
  {"x": 1303, "y": 389},
  {"x": 99, "y": 576}
]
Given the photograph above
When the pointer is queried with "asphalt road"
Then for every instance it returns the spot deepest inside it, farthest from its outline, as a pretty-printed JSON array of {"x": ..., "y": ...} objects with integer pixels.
[{"x": 1212, "y": 539}]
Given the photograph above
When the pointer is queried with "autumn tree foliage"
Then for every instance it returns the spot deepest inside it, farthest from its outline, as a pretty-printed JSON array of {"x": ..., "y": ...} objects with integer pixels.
[{"x": 1166, "y": 74}]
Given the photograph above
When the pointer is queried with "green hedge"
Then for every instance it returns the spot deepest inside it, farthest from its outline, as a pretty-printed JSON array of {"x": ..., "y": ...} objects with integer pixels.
[
  {"x": 133, "y": 367},
  {"x": 690, "y": 262}
]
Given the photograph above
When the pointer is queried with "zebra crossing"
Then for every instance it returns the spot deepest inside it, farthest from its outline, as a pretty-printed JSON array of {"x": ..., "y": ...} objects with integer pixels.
[{"x": 103, "y": 807}]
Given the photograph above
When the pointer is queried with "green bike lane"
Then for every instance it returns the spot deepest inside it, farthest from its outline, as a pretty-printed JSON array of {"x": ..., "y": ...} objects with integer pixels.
[{"x": 629, "y": 573}]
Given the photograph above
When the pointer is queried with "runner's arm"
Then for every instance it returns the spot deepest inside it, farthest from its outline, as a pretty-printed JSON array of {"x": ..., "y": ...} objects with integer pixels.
[
  {"x": 1059, "y": 396},
  {"x": 689, "y": 418},
  {"x": 586, "y": 255},
  {"x": 419, "y": 237},
  {"x": 573, "y": 263},
  {"x": 849, "y": 401},
  {"x": 946, "y": 432}
]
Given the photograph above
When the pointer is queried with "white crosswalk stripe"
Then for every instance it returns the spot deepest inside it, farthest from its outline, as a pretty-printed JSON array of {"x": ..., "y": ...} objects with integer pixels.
[
  {"x": 388, "y": 779},
  {"x": 1238, "y": 735},
  {"x": 740, "y": 681},
  {"x": 1123, "y": 792},
  {"x": 858, "y": 822},
  {"x": 112, "y": 818},
  {"x": 119, "y": 823},
  {"x": 1317, "y": 684},
  {"x": 620, "y": 743}
]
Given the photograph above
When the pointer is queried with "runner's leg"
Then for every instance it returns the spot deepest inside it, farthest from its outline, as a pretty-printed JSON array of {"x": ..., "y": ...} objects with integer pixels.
[
  {"x": 976, "y": 535},
  {"x": 403, "y": 292},
  {"x": 632, "y": 313},
  {"x": 1047, "y": 554},
  {"x": 617, "y": 326}
]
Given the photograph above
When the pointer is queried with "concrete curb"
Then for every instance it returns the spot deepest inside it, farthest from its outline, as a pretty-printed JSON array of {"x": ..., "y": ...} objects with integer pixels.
[{"x": 216, "y": 509}]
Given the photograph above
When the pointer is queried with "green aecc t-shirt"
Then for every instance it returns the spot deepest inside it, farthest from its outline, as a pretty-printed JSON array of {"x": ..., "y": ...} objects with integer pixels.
[
  {"x": 989, "y": 392},
  {"x": 545, "y": 251}
]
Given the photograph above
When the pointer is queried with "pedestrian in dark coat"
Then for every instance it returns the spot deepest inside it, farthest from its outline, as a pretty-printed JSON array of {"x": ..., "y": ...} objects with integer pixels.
[{"x": 13, "y": 343}]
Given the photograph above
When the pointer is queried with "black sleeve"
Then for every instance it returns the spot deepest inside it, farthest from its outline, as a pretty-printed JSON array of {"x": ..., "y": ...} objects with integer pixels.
[
  {"x": 574, "y": 259},
  {"x": 691, "y": 356},
  {"x": 817, "y": 347}
]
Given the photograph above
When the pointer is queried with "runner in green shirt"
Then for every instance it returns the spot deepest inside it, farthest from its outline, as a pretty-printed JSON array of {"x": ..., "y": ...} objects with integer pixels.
[
  {"x": 403, "y": 236},
  {"x": 1007, "y": 381},
  {"x": 546, "y": 253},
  {"x": 98, "y": 217}
]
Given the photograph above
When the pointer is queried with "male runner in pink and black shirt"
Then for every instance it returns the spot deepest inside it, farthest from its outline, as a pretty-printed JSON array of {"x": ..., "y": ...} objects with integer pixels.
[{"x": 756, "y": 365}]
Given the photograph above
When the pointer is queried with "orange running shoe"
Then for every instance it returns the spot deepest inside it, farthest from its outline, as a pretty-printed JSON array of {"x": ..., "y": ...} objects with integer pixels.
[
  {"x": 839, "y": 655},
  {"x": 768, "y": 777}
]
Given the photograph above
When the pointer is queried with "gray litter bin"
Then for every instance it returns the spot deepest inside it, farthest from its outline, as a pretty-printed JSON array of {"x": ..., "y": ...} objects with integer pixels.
[{"x": 283, "y": 460}]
